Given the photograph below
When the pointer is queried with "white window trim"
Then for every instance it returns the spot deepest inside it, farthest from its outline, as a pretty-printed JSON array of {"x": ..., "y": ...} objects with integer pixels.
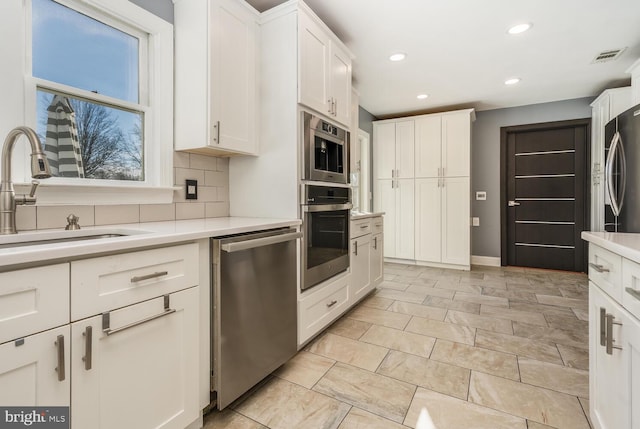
[{"x": 20, "y": 107}]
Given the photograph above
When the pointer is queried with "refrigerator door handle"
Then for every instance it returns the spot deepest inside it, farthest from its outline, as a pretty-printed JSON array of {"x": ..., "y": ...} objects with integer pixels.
[{"x": 611, "y": 158}]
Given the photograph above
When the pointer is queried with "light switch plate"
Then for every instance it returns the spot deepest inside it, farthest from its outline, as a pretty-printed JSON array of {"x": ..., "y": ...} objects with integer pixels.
[
  {"x": 192, "y": 190},
  {"x": 475, "y": 221}
]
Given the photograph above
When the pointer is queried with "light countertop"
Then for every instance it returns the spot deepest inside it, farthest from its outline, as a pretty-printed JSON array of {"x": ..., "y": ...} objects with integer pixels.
[
  {"x": 626, "y": 245},
  {"x": 142, "y": 235},
  {"x": 364, "y": 215}
]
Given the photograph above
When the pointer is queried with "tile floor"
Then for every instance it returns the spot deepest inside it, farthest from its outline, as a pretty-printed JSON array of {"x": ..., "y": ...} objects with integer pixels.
[{"x": 432, "y": 348}]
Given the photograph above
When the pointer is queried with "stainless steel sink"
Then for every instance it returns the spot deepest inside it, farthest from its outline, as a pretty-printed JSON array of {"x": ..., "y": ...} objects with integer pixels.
[{"x": 38, "y": 238}]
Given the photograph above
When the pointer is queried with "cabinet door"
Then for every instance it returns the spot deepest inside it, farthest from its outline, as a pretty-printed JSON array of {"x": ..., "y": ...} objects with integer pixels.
[
  {"x": 385, "y": 201},
  {"x": 376, "y": 260},
  {"x": 608, "y": 379},
  {"x": 29, "y": 374},
  {"x": 428, "y": 220},
  {"x": 384, "y": 150},
  {"x": 456, "y": 231},
  {"x": 405, "y": 237},
  {"x": 360, "y": 268},
  {"x": 145, "y": 373},
  {"x": 313, "y": 58},
  {"x": 456, "y": 145},
  {"x": 234, "y": 34},
  {"x": 340, "y": 85},
  {"x": 631, "y": 346},
  {"x": 428, "y": 150},
  {"x": 405, "y": 144}
]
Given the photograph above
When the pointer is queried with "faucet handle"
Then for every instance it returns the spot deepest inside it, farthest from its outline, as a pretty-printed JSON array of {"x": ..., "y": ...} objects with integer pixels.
[{"x": 34, "y": 186}]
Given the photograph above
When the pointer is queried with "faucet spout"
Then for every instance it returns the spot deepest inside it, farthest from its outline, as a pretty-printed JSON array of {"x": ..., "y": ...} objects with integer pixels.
[{"x": 39, "y": 170}]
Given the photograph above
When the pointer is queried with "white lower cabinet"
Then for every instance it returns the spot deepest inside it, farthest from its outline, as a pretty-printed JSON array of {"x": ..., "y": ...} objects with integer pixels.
[
  {"x": 376, "y": 260},
  {"x": 30, "y": 370},
  {"x": 141, "y": 371},
  {"x": 360, "y": 267},
  {"x": 322, "y": 305}
]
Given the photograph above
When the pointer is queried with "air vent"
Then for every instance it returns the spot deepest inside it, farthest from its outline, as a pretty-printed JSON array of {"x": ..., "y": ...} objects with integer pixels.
[{"x": 609, "y": 55}]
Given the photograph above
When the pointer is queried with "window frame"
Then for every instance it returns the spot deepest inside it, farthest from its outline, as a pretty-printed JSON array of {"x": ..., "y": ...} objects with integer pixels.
[{"x": 155, "y": 102}]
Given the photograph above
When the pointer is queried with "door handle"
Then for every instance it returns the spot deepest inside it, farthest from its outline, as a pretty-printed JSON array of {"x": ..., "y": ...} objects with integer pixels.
[
  {"x": 610, "y": 339},
  {"x": 513, "y": 203},
  {"x": 355, "y": 248},
  {"x": 87, "y": 334},
  {"x": 60, "y": 368},
  {"x": 216, "y": 131},
  {"x": 616, "y": 144},
  {"x": 603, "y": 326}
]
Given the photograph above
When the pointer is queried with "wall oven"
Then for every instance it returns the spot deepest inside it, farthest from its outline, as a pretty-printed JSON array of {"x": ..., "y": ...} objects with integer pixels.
[
  {"x": 325, "y": 244},
  {"x": 326, "y": 150}
]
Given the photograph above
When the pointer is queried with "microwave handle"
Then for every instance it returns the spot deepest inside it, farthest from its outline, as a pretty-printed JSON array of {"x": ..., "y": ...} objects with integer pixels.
[{"x": 616, "y": 144}]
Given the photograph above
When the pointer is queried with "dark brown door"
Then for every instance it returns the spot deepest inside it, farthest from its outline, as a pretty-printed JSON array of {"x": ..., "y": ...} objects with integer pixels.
[{"x": 544, "y": 194}]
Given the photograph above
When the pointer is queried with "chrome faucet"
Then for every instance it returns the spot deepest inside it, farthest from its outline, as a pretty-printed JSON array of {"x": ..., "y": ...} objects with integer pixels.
[{"x": 39, "y": 170}]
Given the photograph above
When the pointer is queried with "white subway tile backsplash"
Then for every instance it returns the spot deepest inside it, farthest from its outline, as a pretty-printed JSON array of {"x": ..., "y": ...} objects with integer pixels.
[
  {"x": 222, "y": 164},
  {"x": 26, "y": 218},
  {"x": 190, "y": 211},
  {"x": 157, "y": 212},
  {"x": 182, "y": 174},
  {"x": 122, "y": 213},
  {"x": 56, "y": 216},
  {"x": 180, "y": 160},
  {"x": 219, "y": 209},
  {"x": 216, "y": 178},
  {"x": 202, "y": 162},
  {"x": 207, "y": 194}
]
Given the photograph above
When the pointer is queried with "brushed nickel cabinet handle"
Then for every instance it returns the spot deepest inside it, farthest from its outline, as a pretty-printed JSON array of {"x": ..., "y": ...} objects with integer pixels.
[
  {"x": 88, "y": 337},
  {"x": 610, "y": 340},
  {"x": 60, "y": 368},
  {"x": 599, "y": 268},
  {"x": 216, "y": 132},
  {"x": 603, "y": 327},
  {"x": 634, "y": 293},
  {"x": 148, "y": 276},
  {"x": 355, "y": 248},
  {"x": 332, "y": 303},
  {"x": 375, "y": 243},
  {"x": 106, "y": 319}
]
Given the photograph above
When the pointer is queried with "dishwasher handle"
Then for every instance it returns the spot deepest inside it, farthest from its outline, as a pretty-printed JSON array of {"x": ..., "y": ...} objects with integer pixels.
[{"x": 259, "y": 242}]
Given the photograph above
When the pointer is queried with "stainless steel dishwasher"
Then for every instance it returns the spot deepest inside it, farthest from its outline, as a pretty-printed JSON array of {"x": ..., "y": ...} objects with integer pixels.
[{"x": 254, "y": 309}]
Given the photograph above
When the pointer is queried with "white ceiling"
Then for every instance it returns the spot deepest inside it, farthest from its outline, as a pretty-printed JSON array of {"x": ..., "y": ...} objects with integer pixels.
[{"x": 459, "y": 52}]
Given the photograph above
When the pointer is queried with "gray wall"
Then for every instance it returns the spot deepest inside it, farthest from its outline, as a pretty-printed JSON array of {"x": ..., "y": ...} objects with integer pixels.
[
  {"x": 365, "y": 121},
  {"x": 161, "y": 8},
  {"x": 485, "y": 161}
]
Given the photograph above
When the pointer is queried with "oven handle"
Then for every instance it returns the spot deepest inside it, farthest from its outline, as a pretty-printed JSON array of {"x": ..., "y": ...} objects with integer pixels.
[{"x": 326, "y": 207}]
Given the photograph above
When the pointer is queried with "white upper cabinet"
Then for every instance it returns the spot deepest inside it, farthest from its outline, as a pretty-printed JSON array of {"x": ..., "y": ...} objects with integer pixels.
[
  {"x": 216, "y": 90},
  {"x": 394, "y": 150},
  {"x": 324, "y": 68},
  {"x": 428, "y": 146}
]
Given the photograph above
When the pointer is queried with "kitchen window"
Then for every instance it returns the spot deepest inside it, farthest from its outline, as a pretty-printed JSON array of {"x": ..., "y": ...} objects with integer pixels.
[{"x": 98, "y": 90}]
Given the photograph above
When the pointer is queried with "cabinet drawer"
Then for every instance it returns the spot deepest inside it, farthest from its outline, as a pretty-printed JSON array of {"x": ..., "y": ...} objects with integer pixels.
[
  {"x": 321, "y": 308},
  {"x": 605, "y": 270},
  {"x": 360, "y": 227},
  {"x": 377, "y": 225},
  {"x": 631, "y": 287},
  {"x": 33, "y": 300},
  {"x": 110, "y": 282}
]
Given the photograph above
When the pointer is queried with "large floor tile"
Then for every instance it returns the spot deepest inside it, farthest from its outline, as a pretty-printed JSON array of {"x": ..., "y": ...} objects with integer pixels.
[
  {"x": 574, "y": 357},
  {"x": 450, "y": 304},
  {"x": 432, "y": 291},
  {"x": 380, "y": 317},
  {"x": 567, "y": 322},
  {"x": 575, "y": 338},
  {"x": 530, "y": 402},
  {"x": 305, "y": 369},
  {"x": 541, "y": 308},
  {"x": 546, "y": 288},
  {"x": 229, "y": 419},
  {"x": 514, "y": 295},
  {"x": 419, "y": 310},
  {"x": 562, "y": 302},
  {"x": 481, "y": 299},
  {"x": 280, "y": 404},
  {"x": 435, "y": 410},
  {"x": 346, "y": 350},
  {"x": 514, "y": 315},
  {"x": 350, "y": 328},
  {"x": 441, "y": 377},
  {"x": 377, "y": 302},
  {"x": 403, "y": 341},
  {"x": 555, "y": 377},
  {"x": 487, "y": 323},
  {"x": 582, "y": 314},
  {"x": 444, "y": 330},
  {"x": 400, "y": 295},
  {"x": 519, "y": 346},
  {"x": 536, "y": 425},
  {"x": 476, "y": 358},
  {"x": 459, "y": 287},
  {"x": 378, "y": 394},
  {"x": 360, "y": 419},
  {"x": 393, "y": 284}
]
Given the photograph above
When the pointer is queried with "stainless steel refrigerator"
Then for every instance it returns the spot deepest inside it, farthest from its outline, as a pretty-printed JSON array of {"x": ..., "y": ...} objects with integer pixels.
[{"x": 622, "y": 172}]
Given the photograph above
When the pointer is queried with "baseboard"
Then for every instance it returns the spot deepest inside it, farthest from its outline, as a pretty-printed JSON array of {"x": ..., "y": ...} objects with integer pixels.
[{"x": 489, "y": 261}]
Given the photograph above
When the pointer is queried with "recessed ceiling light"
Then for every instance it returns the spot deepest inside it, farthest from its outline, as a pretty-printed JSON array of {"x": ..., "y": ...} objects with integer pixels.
[
  {"x": 519, "y": 28},
  {"x": 398, "y": 56},
  {"x": 512, "y": 81},
  {"x": 422, "y": 96}
]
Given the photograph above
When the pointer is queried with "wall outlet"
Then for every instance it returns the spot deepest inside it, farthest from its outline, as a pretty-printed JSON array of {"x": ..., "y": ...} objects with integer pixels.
[
  {"x": 481, "y": 195},
  {"x": 192, "y": 190},
  {"x": 475, "y": 221}
]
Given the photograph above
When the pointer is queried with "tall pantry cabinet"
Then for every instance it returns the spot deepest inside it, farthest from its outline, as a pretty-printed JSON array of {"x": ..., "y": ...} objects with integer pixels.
[{"x": 422, "y": 183}]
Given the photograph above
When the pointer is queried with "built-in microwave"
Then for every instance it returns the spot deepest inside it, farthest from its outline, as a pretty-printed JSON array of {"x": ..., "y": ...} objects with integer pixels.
[{"x": 326, "y": 150}]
